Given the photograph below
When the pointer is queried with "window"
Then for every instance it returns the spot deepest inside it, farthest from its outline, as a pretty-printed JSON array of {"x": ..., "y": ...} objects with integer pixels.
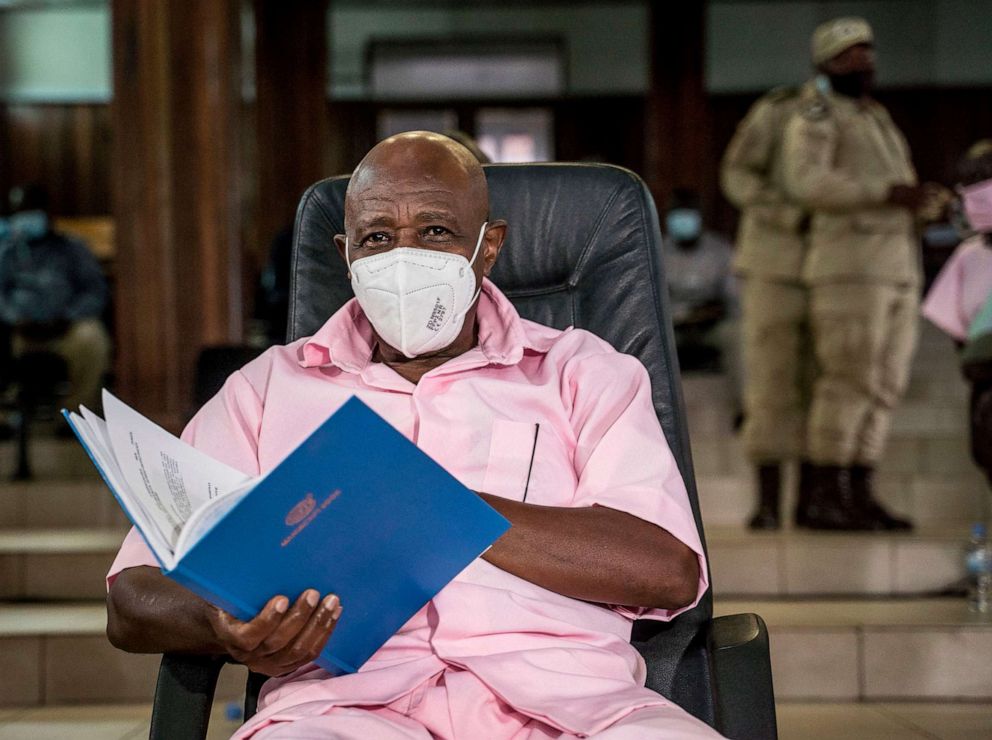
[
  {"x": 515, "y": 134},
  {"x": 460, "y": 70},
  {"x": 391, "y": 121}
]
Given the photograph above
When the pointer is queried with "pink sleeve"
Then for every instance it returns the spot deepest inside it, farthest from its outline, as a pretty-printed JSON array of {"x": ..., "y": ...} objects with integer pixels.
[
  {"x": 942, "y": 305},
  {"x": 133, "y": 552},
  {"x": 226, "y": 428},
  {"x": 623, "y": 460}
]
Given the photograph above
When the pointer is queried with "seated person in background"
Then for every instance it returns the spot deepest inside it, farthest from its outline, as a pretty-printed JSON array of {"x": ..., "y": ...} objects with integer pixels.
[
  {"x": 703, "y": 294},
  {"x": 700, "y": 283},
  {"x": 963, "y": 290},
  {"x": 52, "y": 294},
  {"x": 532, "y": 639}
]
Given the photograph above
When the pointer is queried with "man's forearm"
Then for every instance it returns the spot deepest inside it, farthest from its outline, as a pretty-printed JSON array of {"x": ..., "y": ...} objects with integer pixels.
[
  {"x": 596, "y": 554},
  {"x": 149, "y": 613}
]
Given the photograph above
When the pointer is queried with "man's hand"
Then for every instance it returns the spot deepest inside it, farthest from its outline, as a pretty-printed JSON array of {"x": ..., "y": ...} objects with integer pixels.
[{"x": 280, "y": 638}]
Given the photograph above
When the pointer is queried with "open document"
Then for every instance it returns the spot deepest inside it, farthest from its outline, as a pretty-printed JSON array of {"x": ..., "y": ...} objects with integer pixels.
[{"x": 384, "y": 527}]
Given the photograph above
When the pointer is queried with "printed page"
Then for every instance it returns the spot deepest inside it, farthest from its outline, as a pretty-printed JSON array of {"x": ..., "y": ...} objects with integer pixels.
[
  {"x": 174, "y": 475},
  {"x": 158, "y": 529},
  {"x": 99, "y": 427},
  {"x": 203, "y": 519}
]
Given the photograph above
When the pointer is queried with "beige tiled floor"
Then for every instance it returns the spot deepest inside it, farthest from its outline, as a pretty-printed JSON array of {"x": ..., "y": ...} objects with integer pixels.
[
  {"x": 126, "y": 722},
  {"x": 909, "y": 721},
  {"x": 821, "y": 721},
  {"x": 858, "y": 612}
]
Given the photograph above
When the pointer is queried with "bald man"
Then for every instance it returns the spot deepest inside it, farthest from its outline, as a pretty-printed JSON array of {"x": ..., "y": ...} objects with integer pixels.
[{"x": 531, "y": 640}]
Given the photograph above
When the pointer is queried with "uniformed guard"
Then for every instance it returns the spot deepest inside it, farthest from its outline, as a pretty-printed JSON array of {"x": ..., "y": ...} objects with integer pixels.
[
  {"x": 849, "y": 166},
  {"x": 770, "y": 253}
]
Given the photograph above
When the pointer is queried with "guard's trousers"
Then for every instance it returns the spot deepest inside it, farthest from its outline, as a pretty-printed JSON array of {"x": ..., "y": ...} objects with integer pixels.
[
  {"x": 777, "y": 358},
  {"x": 864, "y": 336}
]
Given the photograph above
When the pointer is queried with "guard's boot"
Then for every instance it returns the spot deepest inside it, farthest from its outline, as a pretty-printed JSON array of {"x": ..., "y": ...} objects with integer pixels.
[
  {"x": 802, "y": 495},
  {"x": 862, "y": 480},
  {"x": 769, "y": 488},
  {"x": 831, "y": 502}
]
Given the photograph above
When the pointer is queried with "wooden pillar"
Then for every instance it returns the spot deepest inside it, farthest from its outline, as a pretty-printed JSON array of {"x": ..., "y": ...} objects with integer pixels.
[
  {"x": 291, "y": 107},
  {"x": 677, "y": 113},
  {"x": 176, "y": 194}
]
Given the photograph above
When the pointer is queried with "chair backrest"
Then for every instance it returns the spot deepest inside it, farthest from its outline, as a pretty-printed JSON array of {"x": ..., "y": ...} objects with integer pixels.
[{"x": 583, "y": 249}]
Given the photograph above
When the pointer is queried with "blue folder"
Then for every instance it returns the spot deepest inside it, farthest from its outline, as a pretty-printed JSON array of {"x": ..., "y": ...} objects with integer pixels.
[{"x": 356, "y": 510}]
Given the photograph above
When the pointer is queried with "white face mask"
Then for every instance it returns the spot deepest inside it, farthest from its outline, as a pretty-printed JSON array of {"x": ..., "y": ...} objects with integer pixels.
[{"x": 415, "y": 298}]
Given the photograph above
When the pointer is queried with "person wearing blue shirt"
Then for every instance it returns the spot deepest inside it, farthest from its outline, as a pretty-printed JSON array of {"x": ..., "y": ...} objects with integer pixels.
[{"x": 52, "y": 294}]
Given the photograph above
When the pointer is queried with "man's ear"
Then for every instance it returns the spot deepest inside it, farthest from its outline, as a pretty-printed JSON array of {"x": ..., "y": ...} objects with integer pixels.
[
  {"x": 492, "y": 243},
  {"x": 340, "y": 243}
]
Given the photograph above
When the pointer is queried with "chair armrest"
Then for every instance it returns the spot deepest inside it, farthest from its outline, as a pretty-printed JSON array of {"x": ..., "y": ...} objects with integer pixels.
[
  {"x": 742, "y": 677},
  {"x": 184, "y": 695}
]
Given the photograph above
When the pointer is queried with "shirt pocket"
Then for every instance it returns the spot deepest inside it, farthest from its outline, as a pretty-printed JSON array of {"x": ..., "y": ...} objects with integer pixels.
[{"x": 512, "y": 448}]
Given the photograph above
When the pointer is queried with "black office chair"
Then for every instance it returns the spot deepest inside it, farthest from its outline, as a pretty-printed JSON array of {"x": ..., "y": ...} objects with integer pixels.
[{"x": 583, "y": 249}]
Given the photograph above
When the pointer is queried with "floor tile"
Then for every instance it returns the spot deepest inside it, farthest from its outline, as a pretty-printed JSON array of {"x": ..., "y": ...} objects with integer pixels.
[
  {"x": 88, "y": 722},
  {"x": 69, "y": 541},
  {"x": 20, "y": 671},
  {"x": 830, "y": 721},
  {"x": 53, "y": 619},
  {"x": 815, "y": 664},
  {"x": 956, "y": 497},
  {"x": 826, "y": 566},
  {"x": 923, "y": 567},
  {"x": 914, "y": 663},
  {"x": 21, "y": 729},
  {"x": 66, "y": 575},
  {"x": 11, "y": 576},
  {"x": 944, "y": 720},
  {"x": 858, "y": 612},
  {"x": 220, "y": 727},
  {"x": 90, "y": 669},
  {"x": 725, "y": 499},
  {"x": 746, "y": 568}
]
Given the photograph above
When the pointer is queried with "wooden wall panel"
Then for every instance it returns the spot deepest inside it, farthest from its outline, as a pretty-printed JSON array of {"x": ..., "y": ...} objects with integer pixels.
[
  {"x": 291, "y": 112},
  {"x": 677, "y": 113},
  {"x": 65, "y": 146},
  {"x": 177, "y": 196}
]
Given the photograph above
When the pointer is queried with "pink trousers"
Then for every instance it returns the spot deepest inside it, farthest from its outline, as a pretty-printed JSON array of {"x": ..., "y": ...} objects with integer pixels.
[{"x": 458, "y": 706}]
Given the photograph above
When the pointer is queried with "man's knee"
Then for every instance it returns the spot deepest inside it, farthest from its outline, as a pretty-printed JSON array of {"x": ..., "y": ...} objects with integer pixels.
[{"x": 86, "y": 338}]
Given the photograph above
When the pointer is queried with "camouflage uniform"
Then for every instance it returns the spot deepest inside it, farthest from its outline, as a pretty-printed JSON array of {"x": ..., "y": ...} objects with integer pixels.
[
  {"x": 770, "y": 254},
  {"x": 840, "y": 158}
]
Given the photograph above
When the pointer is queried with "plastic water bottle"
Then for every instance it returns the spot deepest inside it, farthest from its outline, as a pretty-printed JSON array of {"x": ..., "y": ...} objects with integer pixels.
[
  {"x": 233, "y": 711},
  {"x": 978, "y": 560}
]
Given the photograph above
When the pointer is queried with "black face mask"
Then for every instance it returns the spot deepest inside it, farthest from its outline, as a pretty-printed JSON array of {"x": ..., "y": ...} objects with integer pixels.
[{"x": 853, "y": 84}]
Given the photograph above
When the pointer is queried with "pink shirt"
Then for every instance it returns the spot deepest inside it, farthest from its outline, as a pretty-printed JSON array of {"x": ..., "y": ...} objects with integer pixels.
[
  {"x": 961, "y": 288},
  {"x": 561, "y": 660}
]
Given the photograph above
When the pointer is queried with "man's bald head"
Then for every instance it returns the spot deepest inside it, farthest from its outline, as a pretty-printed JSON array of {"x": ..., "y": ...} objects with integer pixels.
[
  {"x": 420, "y": 190},
  {"x": 421, "y": 161}
]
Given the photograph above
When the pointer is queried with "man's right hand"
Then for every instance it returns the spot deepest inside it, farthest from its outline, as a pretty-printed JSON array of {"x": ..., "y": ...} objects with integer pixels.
[
  {"x": 148, "y": 612},
  {"x": 280, "y": 638}
]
